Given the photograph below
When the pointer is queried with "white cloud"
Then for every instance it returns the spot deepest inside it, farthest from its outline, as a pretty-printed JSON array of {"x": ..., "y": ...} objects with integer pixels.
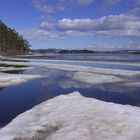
[
  {"x": 122, "y": 33},
  {"x": 113, "y": 25},
  {"x": 49, "y": 6},
  {"x": 46, "y": 25},
  {"x": 39, "y": 34}
]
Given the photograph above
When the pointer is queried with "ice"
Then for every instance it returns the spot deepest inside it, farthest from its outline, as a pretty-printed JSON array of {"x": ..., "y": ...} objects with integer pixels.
[
  {"x": 92, "y": 78},
  {"x": 74, "y": 117},
  {"x": 14, "y": 79}
]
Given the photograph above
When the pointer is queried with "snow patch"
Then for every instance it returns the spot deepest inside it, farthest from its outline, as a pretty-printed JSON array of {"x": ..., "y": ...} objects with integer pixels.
[
  {"x": 74, "y": 117},
  {"x": 92, "y": 78},
  {"x": 14, "y": 79}
]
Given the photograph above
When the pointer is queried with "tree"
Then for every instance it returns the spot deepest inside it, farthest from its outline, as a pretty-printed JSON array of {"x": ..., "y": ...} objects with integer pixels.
[{"x": 11, "y": 42}]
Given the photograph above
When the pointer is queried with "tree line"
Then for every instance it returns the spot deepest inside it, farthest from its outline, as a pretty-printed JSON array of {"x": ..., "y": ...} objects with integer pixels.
[{"x": 11, "y": 42}]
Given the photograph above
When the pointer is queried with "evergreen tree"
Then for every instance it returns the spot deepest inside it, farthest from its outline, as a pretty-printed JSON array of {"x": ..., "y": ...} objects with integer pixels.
[{"x": 11, "y": 42}]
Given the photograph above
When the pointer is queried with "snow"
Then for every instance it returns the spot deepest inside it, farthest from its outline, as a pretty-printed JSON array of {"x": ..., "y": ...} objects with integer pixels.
[
  {"x": 74, "y": 117},
  {"x": 107, "y": 71},
  {"x": 14, "y": 79},
  {"x": 92, "y": 78},
  {"x": 89, "y": 75},
  {"x": 68, "y": 67}
]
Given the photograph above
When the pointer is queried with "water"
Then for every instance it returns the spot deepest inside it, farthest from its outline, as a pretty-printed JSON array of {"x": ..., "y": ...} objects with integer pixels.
[
  {"x": 14, "y": 100},
  {"x": 95, "y": 56}
]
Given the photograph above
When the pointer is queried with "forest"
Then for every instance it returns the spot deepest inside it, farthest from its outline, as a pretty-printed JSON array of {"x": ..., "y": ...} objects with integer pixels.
[{"x": 11, "y": 43}]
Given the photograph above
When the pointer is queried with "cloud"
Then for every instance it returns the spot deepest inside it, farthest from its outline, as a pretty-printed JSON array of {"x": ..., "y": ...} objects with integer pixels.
[
  {"x": 52, "y": 6},
  {"x": 136, "y": 8},
  {"x": 84, "y": 2},
  {"x": 135, "y": 11},
  {"x": 39, "y": 34},
  {"x": 137, "y": 2},
  {"x": 49, "y": 6},
  {"x": 46, "y": 25},
  {"x": 113, "y": 25},
  {"x": 108, "y": 47},
  {"x": 121, "y": 33}
]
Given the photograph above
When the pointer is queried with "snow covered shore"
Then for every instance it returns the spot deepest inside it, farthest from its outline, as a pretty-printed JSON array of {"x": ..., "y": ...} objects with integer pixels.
[{"x": 74, "y": 117}]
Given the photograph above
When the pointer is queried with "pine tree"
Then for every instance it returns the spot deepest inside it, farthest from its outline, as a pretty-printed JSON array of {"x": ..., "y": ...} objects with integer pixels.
[{"x": 11, "y": 42}]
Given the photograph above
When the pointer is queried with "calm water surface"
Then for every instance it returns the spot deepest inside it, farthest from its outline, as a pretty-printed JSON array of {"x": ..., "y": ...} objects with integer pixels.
[
  {"x": 95, "y": 56},
  {"x": 14, "y": 100}
]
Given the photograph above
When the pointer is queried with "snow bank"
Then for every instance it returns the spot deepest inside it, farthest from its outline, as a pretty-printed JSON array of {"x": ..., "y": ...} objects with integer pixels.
[
  {"x": 107, "y": 71},
  {"x": 92, "y": 78},
  {"x": 14, "y": 79},
  {"x": 73, "y": 117}
]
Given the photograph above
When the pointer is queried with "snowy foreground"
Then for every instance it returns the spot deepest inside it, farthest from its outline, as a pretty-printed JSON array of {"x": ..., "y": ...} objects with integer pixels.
[{"x": 73, "y": 117}]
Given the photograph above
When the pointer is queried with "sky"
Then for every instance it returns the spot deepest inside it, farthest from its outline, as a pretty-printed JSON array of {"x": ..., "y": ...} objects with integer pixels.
[{"x": 75, "y": 24}]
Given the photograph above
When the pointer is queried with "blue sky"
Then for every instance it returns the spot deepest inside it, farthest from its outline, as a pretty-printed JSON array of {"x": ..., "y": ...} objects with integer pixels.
[{"x": 75, "y": 24}]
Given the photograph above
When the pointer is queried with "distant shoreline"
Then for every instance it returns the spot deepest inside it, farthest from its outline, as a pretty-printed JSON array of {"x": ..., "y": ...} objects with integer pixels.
[{"x": 65, "y": 51}]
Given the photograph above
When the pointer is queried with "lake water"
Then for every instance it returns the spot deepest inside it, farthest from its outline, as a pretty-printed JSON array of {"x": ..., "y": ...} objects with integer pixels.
[
  {"x": 93, "y": 57},
  {"x": 17, "y": 99}
]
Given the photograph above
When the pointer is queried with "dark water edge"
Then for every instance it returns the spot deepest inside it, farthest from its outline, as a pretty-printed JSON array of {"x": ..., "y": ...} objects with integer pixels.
[{"x": 13, "y": 71}]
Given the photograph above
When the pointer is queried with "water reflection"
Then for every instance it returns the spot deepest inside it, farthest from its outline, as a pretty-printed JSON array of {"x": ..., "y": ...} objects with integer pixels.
[
  {"x": 1, "y": 88},
  {"x": 14, "y": 100}
]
